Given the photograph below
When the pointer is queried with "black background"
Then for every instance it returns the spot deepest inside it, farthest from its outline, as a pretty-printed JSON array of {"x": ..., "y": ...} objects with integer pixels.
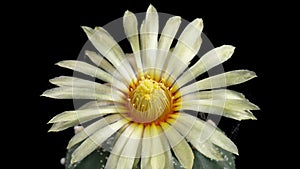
[{"x": 50, "y": 32}]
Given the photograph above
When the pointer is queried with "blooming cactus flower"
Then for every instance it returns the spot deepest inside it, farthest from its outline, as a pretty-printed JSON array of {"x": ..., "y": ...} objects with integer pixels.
[{"x": 145, "y": 97}]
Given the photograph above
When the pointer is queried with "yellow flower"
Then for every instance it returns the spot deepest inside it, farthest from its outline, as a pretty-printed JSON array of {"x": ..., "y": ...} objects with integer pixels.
[{"x": 146, "y": 96}]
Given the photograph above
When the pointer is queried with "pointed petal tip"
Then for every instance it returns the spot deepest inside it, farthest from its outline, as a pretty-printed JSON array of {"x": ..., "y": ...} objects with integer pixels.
[
  {"x": 257, "y": 107},
  {"x": 236, "y": 152},
  {"x": 88, "y": 31},
  {"x": 127, "y": 12},
  {"x": 69, "y": 145},
  {"x": 248, "y": 74},
  {"x": 151, "y": 8},
  {"x": 56, "y": 79},
  {"x": 253, "y": 118},
  {"x": 45, "y": 94},
  {"x": 58, "y": 63},
  {"x": 229, "y": 47},
  {"x": 254, "y": 107},
  {"x": 233, "y": 149},
  {"x": 52, "y": 129},
  {"x": 52, "y": 80},
  {"x": 198, "y": 21},
  {"x": 85, "y": 28},
  {"x": 176, "y": 19},
  {"x": 73, "y": 160},
  {"x": 51, "y": 121},
  {"x": 252, "y": 73},
  {"x": 97, "y": 28},
  {"x": 249, "y": 117},
  {"x": 57, "y": 118}
]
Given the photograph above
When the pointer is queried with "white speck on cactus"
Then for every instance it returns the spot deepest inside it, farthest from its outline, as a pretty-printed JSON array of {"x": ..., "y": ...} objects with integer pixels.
[
  {"x": 63, "y": 161},
  {"x": 77, "y": 129}
]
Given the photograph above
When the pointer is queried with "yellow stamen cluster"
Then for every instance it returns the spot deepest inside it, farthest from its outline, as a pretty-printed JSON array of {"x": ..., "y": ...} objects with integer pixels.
[{"x": 150, "y": 101}]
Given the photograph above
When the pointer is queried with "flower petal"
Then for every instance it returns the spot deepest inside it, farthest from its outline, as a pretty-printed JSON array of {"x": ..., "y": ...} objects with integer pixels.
[
  {"x": 95, "y": 140},
  {"x": 91, "y": 129},
  {"x": 133, "y": 145},
  {"x": 186, "y": 126},
  {"x": 165, "y": 147},
  {"x": 158, "y": 149},
  {"x": 113, "y": 160},
  {"x": 206, "y": 62},
  {"x": 207, "y": 149},
  {"x": 86, "y": 114},
  {"x": 220, "y": 94},
  {"x": 240, "y": 104},
  {"x": 203, "y": 134},
  {"x": 96, "y": 104},
  {"x": 92, "y": 71},
  {"x": 158, "y": 161},
  {"x": 82, "y": 83},
  {"x": 149, "y": 31},
  {"x": 218, "y": 81},
  {"x": 59, "y": 126},
  {"x": 132, "y": 149},
  {"x": 179, "y": 145},
  {"x": 168, "y": 159},
  {"x": 226, "y": 104},
  {"x": 82, "y": 93},
  {"x": 121, "y": 138},
  {"x": 164, "y": 44},
  {"x": 219, "y": 107},
  {"x": 101, "y": 62},
  {"x": 220, "y": 139},
  {"x": 215, "y": 135},
  {"x": 110, "y": 49},
  {"x": 131, "y": 30},
  {"x": 189, "y": 41},
  {"x": 132, "y": 34},
  {"x": 186, "y": 48},
  {"x": 146, "y": 148}
]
